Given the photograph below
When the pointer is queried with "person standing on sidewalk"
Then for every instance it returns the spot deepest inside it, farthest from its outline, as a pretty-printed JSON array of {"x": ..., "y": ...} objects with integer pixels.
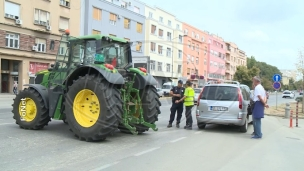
[
  {"x": 15, "y": 88},
  {"x": 189, "y": 103},
  {"x": 177, "y": 93},
  {"x": 259, "y": 106}
]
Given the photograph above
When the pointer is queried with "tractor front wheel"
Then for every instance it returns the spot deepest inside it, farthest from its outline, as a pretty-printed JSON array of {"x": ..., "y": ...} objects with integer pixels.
[
  {"x": 93, "y": 108},
  {"x": 29, "y": 110}
]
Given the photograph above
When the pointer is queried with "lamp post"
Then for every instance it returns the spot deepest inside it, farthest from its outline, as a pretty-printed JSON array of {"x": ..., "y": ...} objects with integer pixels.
[{"x": 173, "y": 56}]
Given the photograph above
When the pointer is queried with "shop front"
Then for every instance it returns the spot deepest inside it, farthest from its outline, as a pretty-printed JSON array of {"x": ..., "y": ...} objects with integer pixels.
[{"x": 34, "y": 68}]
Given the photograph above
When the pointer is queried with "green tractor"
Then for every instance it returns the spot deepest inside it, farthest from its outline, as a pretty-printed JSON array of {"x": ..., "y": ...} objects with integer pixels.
[{"x": 93, "y": 88}]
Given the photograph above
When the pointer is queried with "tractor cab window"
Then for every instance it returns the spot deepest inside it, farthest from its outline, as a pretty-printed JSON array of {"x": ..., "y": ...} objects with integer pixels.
[
  {"x": 84, "y": 52},
  {"x": 115, "y": 53}
]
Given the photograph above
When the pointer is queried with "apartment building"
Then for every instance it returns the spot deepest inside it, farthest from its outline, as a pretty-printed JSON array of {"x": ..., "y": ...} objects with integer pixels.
[
  {"x": 196, "y": 49},
  {"x": 29, "y": 37},
  {"x": 287, "y": 75},
  {"x": 216, "y": 58},
  {"x": 119, "y": 18},
  {"x": 234, "y": 57},
  {"x": 164, "y": 44}
]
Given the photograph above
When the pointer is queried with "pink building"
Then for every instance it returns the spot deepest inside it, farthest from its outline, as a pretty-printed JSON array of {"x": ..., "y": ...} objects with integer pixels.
[{"x": 216, "y": 58}]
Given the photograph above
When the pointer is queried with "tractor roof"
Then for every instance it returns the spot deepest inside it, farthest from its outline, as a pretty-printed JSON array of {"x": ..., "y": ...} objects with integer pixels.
[{"x": 99, "y": 36}]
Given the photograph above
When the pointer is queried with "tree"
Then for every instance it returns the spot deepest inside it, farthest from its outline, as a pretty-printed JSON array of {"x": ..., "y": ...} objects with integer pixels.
[
  {"x": 300, "y": 69},
  {"x": 241, "y": 75}
]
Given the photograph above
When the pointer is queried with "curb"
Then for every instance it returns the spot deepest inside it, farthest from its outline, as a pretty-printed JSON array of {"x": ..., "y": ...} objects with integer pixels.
[{"x": 283, "y": 116}]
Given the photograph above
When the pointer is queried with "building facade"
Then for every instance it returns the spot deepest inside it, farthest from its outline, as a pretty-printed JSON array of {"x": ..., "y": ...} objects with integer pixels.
[
  {"x": 287, "y": 75},
  {"x": 123, "y": 18},
  {"x": 195, "y": 54},
  {"x": 164, "y": 45},
  {"x": 216, "y": 58},
  {"x": 29, "y": 37},
  {"x": 234, "y": 58}
]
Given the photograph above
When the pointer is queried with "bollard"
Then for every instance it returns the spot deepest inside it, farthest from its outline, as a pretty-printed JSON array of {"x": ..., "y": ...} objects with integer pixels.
[
  {"x": 297, "y": 113},
  {"x": 290, "y": 121},
  {"x": 287, "y": 110}
]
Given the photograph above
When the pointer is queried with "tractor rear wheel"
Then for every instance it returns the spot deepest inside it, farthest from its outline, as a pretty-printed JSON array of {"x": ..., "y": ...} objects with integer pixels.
[
  {"x": 150, "y": 106},
  {"x": 29, "y": 110},
  {"x": 93, "y": 108}
]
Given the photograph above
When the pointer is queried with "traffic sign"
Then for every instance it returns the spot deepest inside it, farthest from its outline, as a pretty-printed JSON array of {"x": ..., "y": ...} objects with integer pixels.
[
  {"x": 276, "y": 85},
  {"x": 276, "y": 77}
]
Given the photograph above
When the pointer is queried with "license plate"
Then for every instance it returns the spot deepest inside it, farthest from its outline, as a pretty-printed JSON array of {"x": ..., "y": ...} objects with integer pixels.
[{"x": 218, "y": 108}]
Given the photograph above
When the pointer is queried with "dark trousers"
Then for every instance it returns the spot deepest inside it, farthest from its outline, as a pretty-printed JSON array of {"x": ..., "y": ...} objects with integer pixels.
[
  {"x": 179, "y": 108},
  {"x": 189, "y": 120}
]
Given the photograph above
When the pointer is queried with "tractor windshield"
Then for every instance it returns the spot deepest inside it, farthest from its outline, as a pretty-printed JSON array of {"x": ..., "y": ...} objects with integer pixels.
[{"x": 115, "y": 53}]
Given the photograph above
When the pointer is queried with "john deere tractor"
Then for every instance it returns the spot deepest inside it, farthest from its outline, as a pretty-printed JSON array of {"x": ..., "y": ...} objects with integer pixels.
[{"x": 93, "y": 88}]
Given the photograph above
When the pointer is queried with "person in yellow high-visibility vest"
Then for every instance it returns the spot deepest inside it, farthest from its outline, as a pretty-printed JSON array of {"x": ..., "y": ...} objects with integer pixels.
[{"x": 189, "y": 103}]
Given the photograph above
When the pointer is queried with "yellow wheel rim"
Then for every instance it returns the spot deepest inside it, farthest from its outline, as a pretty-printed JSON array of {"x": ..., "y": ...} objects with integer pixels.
[
  {"x": 86, "y": 108},
  {"x": 27, "y": 109}
]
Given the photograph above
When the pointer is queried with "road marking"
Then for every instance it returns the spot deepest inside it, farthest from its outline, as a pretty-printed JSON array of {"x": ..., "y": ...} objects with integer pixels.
[
  {"x": 173, "y": 141},
  {"x": 105, "y": 166},
  {"x": 5, "y": 123},
  {"x": 147, "y": 151},
  {"x": 198, "y": 132}
]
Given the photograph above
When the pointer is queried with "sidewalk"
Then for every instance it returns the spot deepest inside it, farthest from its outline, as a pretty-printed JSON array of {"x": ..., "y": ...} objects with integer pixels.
[{"x": 6, "y": 95}]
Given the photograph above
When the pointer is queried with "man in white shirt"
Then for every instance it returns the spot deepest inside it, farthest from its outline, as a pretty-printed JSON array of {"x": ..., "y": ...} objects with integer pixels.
[{"x": 260, "y": 103}]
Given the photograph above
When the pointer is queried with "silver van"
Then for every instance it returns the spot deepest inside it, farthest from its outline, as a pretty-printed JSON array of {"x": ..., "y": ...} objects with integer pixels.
[{"x": 225, "y": 103}]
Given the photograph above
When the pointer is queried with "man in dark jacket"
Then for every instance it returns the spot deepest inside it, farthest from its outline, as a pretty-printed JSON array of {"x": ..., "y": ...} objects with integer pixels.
[{"x": 177, "y": 93}]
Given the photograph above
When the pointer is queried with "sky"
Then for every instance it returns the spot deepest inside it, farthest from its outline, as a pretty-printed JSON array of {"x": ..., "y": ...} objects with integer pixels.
[{"x": 270, "y": 30}]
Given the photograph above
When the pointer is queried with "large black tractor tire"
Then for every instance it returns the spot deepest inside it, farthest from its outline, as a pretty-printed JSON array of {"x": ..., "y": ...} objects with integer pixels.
[
  {"x": 151, "y": 109},
  {"x": 35, "y": 114},
  {"x": 109, "y": 108}
]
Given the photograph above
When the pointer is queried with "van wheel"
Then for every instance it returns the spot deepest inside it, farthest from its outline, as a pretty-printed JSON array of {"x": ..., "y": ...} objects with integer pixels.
[
  {"x": 244, "y": 127},
  {"x": 201, "y": 125}
]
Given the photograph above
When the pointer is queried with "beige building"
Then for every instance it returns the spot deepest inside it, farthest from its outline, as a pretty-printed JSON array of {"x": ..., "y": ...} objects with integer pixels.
[
  {"x": 287, "y": 75},
  {"x": 29, "y": 36},
  {"x": 234, "y": 57}
]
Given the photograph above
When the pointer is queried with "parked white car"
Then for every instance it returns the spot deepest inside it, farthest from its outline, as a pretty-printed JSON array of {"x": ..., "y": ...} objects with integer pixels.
[
  {"x": 160, "y": 92},
  {"x": 288, "y": 94}
]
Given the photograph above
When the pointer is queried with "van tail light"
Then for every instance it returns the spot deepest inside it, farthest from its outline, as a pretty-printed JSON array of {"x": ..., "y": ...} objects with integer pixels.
[
  {"x": 240, "y": 99},
  {"x": 199, "y": 97}
]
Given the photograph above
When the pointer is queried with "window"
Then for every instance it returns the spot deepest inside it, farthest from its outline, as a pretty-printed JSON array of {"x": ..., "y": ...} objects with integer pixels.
[
  {"x": 138, "y": 46},
  {"x": 161, "y": 19},
  {"x": 124, "y": 4},
  {"x": 152, "y": 65},
  {"x": 150, "y": 15},
  {"x": 96, "y": 32},
  {"x": 180, "y": 54},
  {"x": 205, "y": 61},
  {"x": 159, "y": 66},
  {"x": 12, "y": 10},
  {"x": 197, "y": 48},
  {"x": 160, "y": 33},
  {"x": 177, "y": 26},
  {"x": 12, "y": 40},
  {"x": 189, "y": 44},
  {"x": 169, "y": 23},
  {"x": 153, "y": 29},
  {"x": 197, "y": 61},
  {"x": 203, "y": 39},
  {"x": 153, "y": 46},
  {"x": 96, "y": 13},
  {"x": 65, "y": 3},
  {"x": 188, "y": 58},
  {"x": 168, "y": 52},
  {"x": 205, "y": 73},
  {"x": 63, "y": 23},
  {"x": 192, "y": 58},
  {"x": 168, "y": 67},
  {"x": 41, "y": 17},
  {"x": 127, "y": 23},
  {"x": 169, "y": 36},
  {"x": 160, "y": 49},
  {"x": 139, "y": 27},
  {"x": 137, "y": 10},
  {"x": 180, "y": 38},
  {"x": 40, "y": 44},
  {"x": 188, "y": 71},
  {"x": 179, "y": 69},
  {"x": 113, "y": 18}
]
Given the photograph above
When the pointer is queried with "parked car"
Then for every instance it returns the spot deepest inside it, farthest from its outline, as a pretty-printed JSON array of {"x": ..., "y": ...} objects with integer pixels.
[
  {"x": 288, "y": 94},
  {"x": 224, "y": 104},
  {"x": 160, "y": 92},
  {"x": 197, "y": 93}
]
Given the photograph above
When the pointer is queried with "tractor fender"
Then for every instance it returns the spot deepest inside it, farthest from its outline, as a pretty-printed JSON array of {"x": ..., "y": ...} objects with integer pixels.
[
  {"x": 141, "y": 81},
  {"x": 114, "y": 78},
  {"x": 42, "y": 91}
]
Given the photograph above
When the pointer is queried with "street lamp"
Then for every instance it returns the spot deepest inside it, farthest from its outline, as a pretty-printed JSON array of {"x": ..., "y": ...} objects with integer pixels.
[{"x": 172, "y": 56}]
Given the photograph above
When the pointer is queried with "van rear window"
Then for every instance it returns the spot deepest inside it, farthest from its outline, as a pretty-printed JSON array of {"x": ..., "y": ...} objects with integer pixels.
[{"x": 220, "y": 93}]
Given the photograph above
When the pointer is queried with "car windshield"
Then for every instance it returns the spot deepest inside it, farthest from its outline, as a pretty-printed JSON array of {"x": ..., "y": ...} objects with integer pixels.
[
  {"x": 166, "y": 87},
  {"x": 286, "y": 93},
  {"x": 197, "y": 90},
  {"x": 221, "y": 93}
]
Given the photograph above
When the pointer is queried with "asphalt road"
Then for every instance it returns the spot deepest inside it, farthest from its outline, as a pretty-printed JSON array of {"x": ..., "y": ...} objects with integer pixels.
[{"x": 215, "y": 148}]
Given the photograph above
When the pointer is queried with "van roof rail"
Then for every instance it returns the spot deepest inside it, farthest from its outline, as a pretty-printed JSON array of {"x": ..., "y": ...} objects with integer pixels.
[{"x": 223, "y": 81}]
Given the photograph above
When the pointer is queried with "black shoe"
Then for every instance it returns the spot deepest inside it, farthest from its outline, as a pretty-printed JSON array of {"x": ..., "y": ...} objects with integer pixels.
[
  {"x": 169, "y": 125},
  {"x": 177, "y": 125},
  {"x": 188, "y": 127}
]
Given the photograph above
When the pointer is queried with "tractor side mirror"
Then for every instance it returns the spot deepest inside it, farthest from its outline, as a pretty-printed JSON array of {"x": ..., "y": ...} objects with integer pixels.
[{"x": 52, "y": 65}]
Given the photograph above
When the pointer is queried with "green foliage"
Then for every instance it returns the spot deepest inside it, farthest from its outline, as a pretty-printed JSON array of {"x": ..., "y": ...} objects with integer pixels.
[{"x": 256, "y": 68}]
